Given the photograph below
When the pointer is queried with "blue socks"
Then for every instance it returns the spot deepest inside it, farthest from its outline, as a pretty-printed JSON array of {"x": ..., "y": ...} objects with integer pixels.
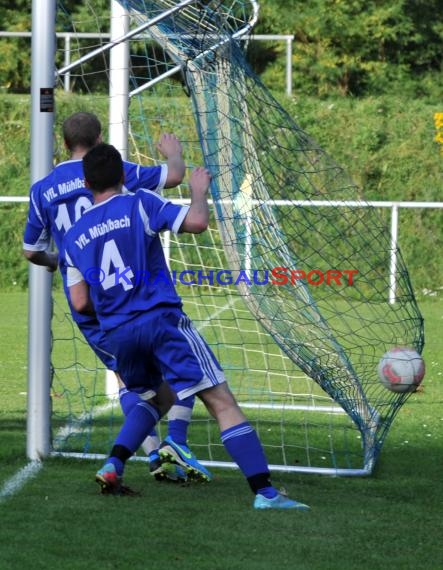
[
  {"x": 128, "y": 400},
  {"x": 179, "y": 417},
  {"x": 243, "y": 445},
  {"x": 138, "y": 424}
]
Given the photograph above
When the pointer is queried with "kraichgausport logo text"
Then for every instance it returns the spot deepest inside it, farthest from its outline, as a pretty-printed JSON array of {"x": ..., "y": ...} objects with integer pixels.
[{"x": 277, "y": 276}]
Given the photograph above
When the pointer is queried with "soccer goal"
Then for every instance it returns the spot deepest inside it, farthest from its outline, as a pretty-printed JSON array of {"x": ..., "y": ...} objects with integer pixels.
[{"x": 293, "y": 298}]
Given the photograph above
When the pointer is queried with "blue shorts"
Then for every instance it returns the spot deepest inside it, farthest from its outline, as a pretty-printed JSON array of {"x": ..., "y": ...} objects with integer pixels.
[
  {"x": 99, "y": 343},
  {"x": 163, "y": 344}
]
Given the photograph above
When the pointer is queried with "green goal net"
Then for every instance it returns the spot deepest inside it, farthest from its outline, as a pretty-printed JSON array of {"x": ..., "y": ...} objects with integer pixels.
[{"x": 293, "y": 283}]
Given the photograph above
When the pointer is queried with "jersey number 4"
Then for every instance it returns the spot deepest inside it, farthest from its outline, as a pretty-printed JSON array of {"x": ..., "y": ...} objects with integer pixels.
[{"x": 121, "y": 275}]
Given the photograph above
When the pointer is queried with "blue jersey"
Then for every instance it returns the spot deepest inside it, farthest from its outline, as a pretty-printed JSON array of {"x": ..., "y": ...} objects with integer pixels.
[
  {"x": 115, "y": 247},
  {"x": 60, "y": 199}
]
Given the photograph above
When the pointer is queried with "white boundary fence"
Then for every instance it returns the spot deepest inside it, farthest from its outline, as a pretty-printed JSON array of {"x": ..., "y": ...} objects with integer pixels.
[
  {"x": 67, "y": 36},
  {"x": 395, "y": 215}
]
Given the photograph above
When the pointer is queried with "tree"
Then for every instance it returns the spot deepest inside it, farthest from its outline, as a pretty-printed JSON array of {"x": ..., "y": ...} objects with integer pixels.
[
  {"x": 357, "y": 46},
  {"x": 15, "y": 65}
]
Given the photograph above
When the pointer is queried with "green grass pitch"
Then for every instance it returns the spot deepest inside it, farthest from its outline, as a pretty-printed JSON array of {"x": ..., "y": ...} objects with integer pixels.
[{"x": 57, "y": 519}]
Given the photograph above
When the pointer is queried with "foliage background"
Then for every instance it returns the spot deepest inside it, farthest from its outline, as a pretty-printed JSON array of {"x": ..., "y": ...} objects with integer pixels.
[
  {"x": 358, "y": 47},
  {"x": 350, "y": 47},
  {"x": 367, "y": 82}
]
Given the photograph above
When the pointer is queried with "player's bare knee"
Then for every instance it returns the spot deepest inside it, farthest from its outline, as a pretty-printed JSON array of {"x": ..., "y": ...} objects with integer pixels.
[{"x": 218, "y": 400}]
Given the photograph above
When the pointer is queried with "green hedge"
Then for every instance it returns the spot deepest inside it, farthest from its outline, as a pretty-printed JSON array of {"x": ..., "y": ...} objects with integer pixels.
[{"x": 386, "y": 143}]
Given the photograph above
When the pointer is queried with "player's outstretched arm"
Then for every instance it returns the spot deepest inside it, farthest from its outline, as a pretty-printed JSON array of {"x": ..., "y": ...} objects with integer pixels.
[
  {"x": 45, "y": 258},
  {"x": 170, "y": 147},
  {"x": 197, "y": 218}
]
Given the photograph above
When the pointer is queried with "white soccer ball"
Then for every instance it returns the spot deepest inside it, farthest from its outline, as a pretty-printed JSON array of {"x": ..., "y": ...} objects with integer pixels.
[{"x": 401, "y": 369}]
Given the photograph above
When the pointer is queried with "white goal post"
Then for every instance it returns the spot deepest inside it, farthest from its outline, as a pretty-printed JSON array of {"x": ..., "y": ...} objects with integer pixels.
[{"x": 42, "y": 120}]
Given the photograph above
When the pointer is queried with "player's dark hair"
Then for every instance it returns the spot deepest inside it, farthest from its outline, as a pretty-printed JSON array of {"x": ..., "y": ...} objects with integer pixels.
[
  {"x": 81, "y": 130},
  {"x": 103, "y": 167}
]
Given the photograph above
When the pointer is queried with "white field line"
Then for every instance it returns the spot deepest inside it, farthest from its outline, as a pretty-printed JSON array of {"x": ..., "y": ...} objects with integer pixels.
[
  {"x": 17, "y": 481},
  {"x": 76, "y": 426}
]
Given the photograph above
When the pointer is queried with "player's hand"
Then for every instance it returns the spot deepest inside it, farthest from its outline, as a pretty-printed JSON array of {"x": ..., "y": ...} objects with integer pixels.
[
  {"x": 199, "y": 181},
  {"x": 169, "y": 145}
]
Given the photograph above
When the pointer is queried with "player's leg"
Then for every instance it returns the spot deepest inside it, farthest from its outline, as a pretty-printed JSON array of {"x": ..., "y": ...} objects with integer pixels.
[
  {"x": 171, "y": 356},
  {"x": 159, "y": 469},
  {"x": 137, "y": 425},
  {"x": 131, "y": 346},
  {"x": 179, "y": 417},
  {"x": 175, "y": 445},
  {"x": 243, "y": 445},
  {"x": 99, "y": 343},
  {"x": 191, "y": 367}
]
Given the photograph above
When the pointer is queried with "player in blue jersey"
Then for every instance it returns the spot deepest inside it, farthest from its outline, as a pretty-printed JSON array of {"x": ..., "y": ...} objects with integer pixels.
[
  {"x": 56, "y": 202},
  {"x": 117, "y": 270}
]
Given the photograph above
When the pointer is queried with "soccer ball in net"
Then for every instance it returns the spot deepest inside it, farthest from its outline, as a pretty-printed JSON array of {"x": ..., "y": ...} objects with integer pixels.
[{"x": 401, "y": 369}]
